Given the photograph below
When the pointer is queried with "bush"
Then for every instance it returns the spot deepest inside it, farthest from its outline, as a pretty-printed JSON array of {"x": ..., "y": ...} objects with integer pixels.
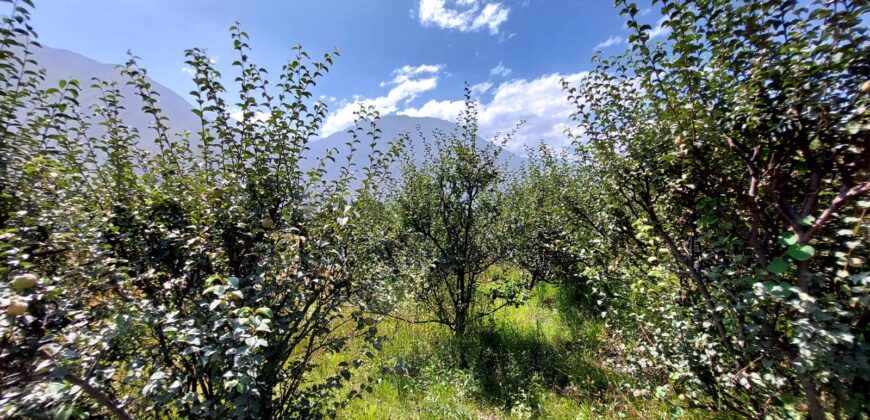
[
  {"x": 735, "y": 159},
  {"x": 203, "y": 278}
]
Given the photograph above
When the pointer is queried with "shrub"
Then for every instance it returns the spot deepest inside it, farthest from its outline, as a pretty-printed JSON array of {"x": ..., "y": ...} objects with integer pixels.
[
  {"x": 200, "y": 281},
  {"x": 735, "y": 156}
]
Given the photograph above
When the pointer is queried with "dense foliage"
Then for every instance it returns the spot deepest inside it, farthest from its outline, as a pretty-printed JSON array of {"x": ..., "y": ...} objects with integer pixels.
[
  {"x": 199, "y": 281},
  {"x": 706, "y": 236},
  {"x": 734, "y": 156},
  {"x": 449, "y": 209}
]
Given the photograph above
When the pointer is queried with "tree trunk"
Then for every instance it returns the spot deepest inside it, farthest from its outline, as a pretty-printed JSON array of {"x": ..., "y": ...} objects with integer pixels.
[
  {"x": 461, "y": 325},
  {"x": 816, "y": 411}
]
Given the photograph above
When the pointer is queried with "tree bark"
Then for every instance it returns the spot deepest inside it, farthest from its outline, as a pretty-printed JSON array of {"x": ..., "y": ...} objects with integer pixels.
[{"x": 814, "y": 405}]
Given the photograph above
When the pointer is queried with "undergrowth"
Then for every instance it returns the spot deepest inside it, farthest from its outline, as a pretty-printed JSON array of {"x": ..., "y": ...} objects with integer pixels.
[{"x": 542, "y": 359}]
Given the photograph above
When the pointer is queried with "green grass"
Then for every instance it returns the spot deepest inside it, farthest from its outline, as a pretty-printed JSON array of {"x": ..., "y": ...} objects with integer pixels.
[{"x": 543, "y": 359}]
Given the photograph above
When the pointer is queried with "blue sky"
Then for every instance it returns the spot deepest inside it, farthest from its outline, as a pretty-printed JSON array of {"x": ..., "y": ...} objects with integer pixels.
[{"x": 403, "y": 56}]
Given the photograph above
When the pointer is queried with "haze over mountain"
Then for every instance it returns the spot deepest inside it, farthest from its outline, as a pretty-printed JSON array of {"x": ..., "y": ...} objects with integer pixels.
[
  {"x": 393, "y": 126},
  {"x": 62, "y": 64}
]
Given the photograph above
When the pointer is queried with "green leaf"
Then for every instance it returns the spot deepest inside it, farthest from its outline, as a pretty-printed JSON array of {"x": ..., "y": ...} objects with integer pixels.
[
  {"x": 788, "y": 238},
  {"x": 265, "y": 311},
  {"x": 778, "y": 266},
  {"x": 782, "y": 290},
  {"x": 807, "y": 220},
  {"x": 801, "y": 252}
]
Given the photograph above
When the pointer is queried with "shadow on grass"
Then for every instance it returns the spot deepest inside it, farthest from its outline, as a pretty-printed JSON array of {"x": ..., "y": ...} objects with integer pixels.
[
  {"x": 519, "y": 361},
  {"x": 544, "y": 359},
  {"x": 547, "y": 348}
]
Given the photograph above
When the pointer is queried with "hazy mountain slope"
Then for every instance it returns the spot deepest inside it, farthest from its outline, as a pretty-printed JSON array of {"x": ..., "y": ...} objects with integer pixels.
[
  {"x": 62, "y": 64},
  {"x": 392, "y": 126}
]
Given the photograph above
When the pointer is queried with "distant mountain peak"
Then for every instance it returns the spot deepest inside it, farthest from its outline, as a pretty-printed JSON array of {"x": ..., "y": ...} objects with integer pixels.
[{"x": 64, "y": 64}]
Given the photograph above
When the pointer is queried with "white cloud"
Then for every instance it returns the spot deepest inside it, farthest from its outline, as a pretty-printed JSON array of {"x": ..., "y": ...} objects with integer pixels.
[
  {"x": 540, "y": 102},
  {"x": 330, "y": 99},
  {"x": 259, "y": 116},
  {"x": 505, "y": 37},
  {"x": 660, "y": 29},
  {"x": 407, "y": 82},
  {"x": 614, "y": 40},
  {"x": 445, "y": 110},
  {"x": 480, "y": 88},
  {"x": 406, "y": 72},
  {"x": 492, "y": 16},
  {"x": 463, "y": 15},
  {"x": 500, "y": 70}
]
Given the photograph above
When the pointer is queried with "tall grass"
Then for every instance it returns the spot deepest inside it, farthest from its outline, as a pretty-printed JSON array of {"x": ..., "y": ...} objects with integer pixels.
[{"x": 542, "y": 359}]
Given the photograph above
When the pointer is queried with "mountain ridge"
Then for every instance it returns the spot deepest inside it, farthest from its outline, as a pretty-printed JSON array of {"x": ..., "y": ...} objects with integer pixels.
[{"x": 65, "y": 64}]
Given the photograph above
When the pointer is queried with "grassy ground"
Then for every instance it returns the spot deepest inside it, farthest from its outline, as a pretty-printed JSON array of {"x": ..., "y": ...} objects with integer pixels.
[{"x": 544, "y": 359}]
